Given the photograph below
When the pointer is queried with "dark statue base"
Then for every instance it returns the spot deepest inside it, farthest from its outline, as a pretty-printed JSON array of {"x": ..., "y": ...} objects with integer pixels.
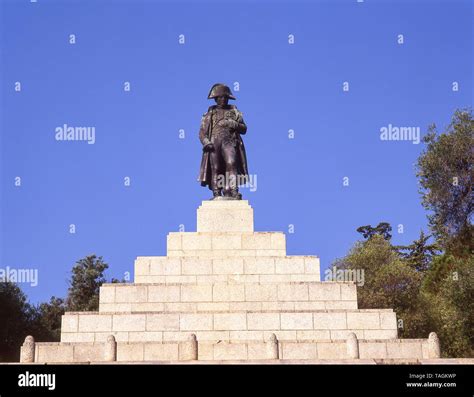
[{"x": 224, "y": 198}]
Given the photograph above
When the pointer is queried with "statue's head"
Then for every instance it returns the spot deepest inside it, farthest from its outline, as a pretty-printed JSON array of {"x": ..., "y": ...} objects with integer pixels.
[{"x": 220, "y": 93}]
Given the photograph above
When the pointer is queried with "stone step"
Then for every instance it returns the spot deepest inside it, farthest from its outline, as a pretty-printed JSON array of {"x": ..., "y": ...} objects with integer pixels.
[
  {"x": 188, "y": 267},
  {"x": 94, "y": 326},
  {"x": 225, "y": 216},
  {"x": 228, "y": 278},
  {"x": 408, "y": 350},
  {"x": 299, "y": 296},
  {"x": 226, "y": 244},
  {"x": 206, "y": 307}
]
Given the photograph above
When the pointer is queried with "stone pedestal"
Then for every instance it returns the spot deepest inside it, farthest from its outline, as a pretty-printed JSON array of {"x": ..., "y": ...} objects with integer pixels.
[
  {"x": 227, "y": 292},
  {"x": 225, "y": 216}
]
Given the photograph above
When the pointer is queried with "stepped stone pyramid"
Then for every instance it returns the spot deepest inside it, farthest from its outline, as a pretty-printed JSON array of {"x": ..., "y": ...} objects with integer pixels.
[{"x": 226, "y": 293}]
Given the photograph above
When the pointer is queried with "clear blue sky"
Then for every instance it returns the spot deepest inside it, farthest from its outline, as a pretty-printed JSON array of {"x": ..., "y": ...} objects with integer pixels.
[{"x": 282, "y": 87}]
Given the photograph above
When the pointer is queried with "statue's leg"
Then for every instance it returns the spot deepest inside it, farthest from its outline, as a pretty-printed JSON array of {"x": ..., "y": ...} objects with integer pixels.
[
  {"x": 216, "y": 166},
  {"x": 229, "y": 155}
]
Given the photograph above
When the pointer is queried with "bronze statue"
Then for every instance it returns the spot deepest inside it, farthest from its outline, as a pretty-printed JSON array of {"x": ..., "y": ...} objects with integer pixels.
[{"x": 224, "y": 162}]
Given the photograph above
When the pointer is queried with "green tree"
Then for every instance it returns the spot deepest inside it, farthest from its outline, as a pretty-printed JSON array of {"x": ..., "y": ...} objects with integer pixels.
[
  {"x": 383, "y": 229},
  {"x": 48, "y": 319},
  {"x": 446, "y": 176},
  {"x": 389, "y": 282},
  {"x": 449, "y": 289},
  {"x": 87, "y": 277},
  {"x": 15, "y": 320},
  {"x": 419, "y": 253}
]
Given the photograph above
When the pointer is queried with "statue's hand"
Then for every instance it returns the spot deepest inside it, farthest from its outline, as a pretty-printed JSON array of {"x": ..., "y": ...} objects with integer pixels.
[
  {"x": 209, "y": 147},
  {"x": 229, "y": 123}
]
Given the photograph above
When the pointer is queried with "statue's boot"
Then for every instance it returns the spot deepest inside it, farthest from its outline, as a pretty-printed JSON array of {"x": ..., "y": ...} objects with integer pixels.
[
  {"x": 216, "y": 193},
  {"x": 234, "y": 193}
]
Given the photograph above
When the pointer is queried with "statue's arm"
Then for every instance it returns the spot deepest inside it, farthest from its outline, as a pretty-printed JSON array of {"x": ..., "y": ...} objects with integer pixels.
[
  {"x": 241, "y": 126},
  {"x": 203, "y": 137}
]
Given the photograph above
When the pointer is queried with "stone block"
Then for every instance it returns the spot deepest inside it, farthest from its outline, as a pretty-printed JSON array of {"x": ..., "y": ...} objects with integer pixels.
[
  {"x": 404, "y": 350},
  {"x": 227, "y": 241},
  {"x": 332, "y": 350},
  {"x": 162, "y": 322},
  {"x": 213, "y": 307},
  {"x": 380, "y": 334},
  {"x": 225, "y": 216},
  {"x": 356, "y": 320},
  {"x": 311, "y": 265},
  {"x": 164, "y": 266},
  {"x": 205, "y": 351},
  {"x": 388, "y": 320},
  {"x": 246, "y": 335},
  {"x": 340, "y": 305},
  {"x": 374, "y": 350},
  {"x": 196, "y": 266},
  {"x": 69, "y": 323},
  {"x": 130, "y": 293},
  {"x": 142, "y": 266},
  {"x": 257, "y": 241},
  {"x": 107, "y": 293},
  {"x": 173, "y": 241},
  {"x": 228, "y": 266},
  {"x": 223, "y": 292},
  {"x": 70, "y": 337},
  {"x": 129, "y": 322},
  {"x": 195, "y": 322},
  {"x": 147, "y": 307},
  {"x": 257, "y": 351},
  {"x": 329, "y": 320},
  {"x": 147, "y": 336},
  {"x": 324, "y": 291},
  {"x": 298, "y": 351},
  {"x": 261, "y": 292},
  {"x": 180, "y": 307},
  {"x": 163, "y": 293},
  {"x": 344, "y": 334},
  {"x": 289, "y": 265},
  {"x": 263, "y": 321},
  {"x": 130, "y": 352},
  {"x": 245, "y": 306},
  {"x": 313, "y": 335},
  {"x": 95, "y": 322},
  {"x": 316, "y": 305},
  {"x": 262, "y": 265},
  {"x": 88, "y": 352},
  {"x": 196, "y": 241},
  {"x": 57, "y": 353},
  {"x": 196, "y": 293},
  {"x": 348, "y": 292},
  {"x": 119, "y": 336},
  {"x": 296, "y": 321},
  {"x": 281, "y": 335},
  {"x": 161, "y": 351},
  {"x": 269, "y": 252},
  {"x": 230, "y": 351},
  {"x": 230, "y": 321},
  {"x": 293, "y": 292}
]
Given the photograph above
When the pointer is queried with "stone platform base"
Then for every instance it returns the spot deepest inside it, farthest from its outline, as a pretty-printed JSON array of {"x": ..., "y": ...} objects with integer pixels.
[
  {"x": 229, "y": 294},
  {"x": 191, "y": 350}
]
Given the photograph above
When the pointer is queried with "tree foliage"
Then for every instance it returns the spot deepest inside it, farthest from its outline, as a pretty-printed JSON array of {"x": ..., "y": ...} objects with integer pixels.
[
  {"x": 446, "y": 177},
  {"x": 87, "y": 277},
  {"x": 383, "y": 229}
]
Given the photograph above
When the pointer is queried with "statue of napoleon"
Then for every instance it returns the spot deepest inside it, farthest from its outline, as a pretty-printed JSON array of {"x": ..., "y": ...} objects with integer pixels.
[{"x": 224, "y": 162}]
